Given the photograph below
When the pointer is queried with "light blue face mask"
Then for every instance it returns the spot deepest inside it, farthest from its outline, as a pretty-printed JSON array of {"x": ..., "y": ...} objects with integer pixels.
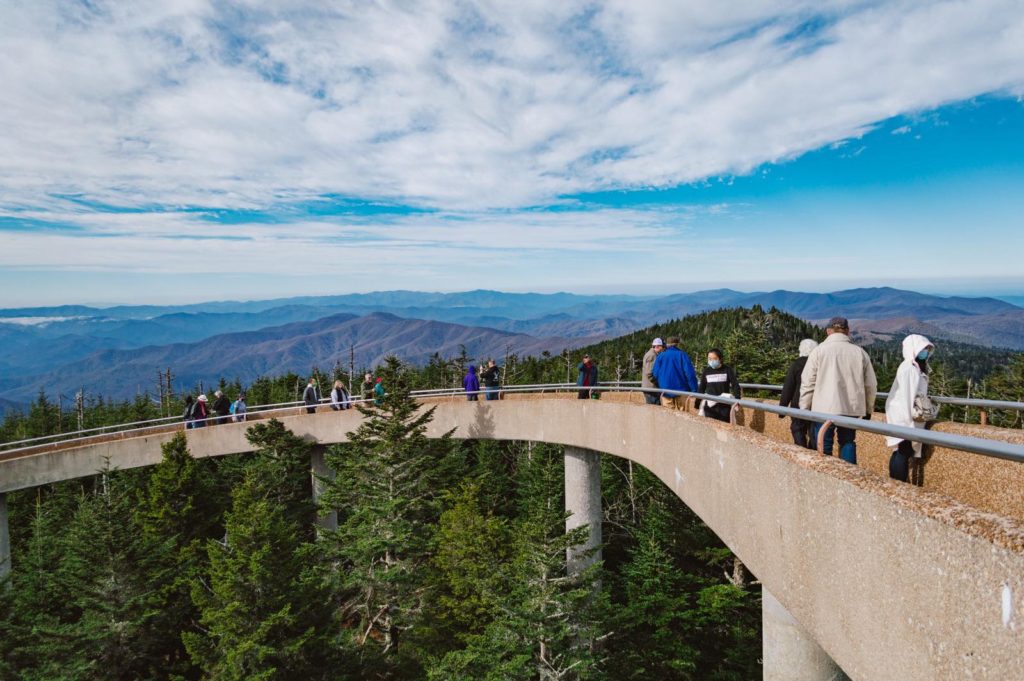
[
  {"x": 923, "y": 355},
  {"x": 714, "y": 363}
]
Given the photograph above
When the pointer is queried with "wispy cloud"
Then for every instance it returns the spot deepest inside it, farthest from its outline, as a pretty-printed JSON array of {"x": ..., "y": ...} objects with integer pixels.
[
  {"x": 144, "y": 122},
  {"x": 461, "y": 105}
]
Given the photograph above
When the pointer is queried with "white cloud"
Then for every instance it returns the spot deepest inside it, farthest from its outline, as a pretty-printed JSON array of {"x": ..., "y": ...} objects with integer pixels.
[{"x": 461, "y": 105}]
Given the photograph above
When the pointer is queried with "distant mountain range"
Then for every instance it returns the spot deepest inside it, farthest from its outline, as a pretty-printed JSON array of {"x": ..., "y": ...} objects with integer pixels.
[
  {"x": 276, "y": 350},
  {"x": 113, "y": 350}
]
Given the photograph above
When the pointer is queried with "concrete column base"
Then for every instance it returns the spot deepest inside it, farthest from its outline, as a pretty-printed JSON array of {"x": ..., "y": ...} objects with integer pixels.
[
  {"x": 789, "y": 652},
  {"x": 583, "y": 501},
  {"x": 318, "y": 467},
  {"x": 5, "y": 539}
]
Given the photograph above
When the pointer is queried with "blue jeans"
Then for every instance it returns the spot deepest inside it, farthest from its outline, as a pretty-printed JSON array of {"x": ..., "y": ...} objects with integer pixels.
[
  {"x": 492, "y": 393},
  {"x": 847, "y": 447}
]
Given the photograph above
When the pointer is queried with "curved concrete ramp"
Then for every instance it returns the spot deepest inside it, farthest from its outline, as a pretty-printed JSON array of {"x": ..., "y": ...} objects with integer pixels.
[{"x": 893, "y": 582}]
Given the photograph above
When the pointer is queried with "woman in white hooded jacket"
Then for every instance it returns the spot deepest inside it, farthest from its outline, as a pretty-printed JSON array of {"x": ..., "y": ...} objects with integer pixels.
[{"x": 908, "y": 403}]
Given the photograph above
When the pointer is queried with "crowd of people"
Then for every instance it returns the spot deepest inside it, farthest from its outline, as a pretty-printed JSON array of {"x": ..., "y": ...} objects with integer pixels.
[
  {"x": 199, "y": 412},
  {"x": 832, "y": 377}
]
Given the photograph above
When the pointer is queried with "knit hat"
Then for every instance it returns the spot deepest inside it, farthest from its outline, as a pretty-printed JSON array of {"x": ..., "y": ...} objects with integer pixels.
[{"x": 806, "y": 345}]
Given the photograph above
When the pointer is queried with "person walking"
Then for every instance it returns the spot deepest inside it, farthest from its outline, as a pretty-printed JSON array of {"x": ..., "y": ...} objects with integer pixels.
[
  {"x": 200, "y": 412},
  {"x": 673, "y": 370},
  {"x": 186, "y": 416},
  {"x": 587, "y": 378},
  {"x": 339, "y": 397},
  {"x": 717, "y": 379},
  {"x": 800, "y": 429},
  {"x": 908, "y": 403},
  {"x": 238, "y": 409},
  {"x": 492, "y": 380},
  {"x": 378, "y": 392},
  {"x": 367, "y": 388},
  {"x": 471, "y": 384},
  {"x": 311, "y": 396},
  {"x": 647, "y": 370},
  {"x": 839, "y": 379},
  {"x": 221, "y": 407}
]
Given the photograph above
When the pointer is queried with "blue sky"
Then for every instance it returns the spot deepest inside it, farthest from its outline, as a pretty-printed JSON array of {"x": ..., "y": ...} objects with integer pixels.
[{"x": 203, "y": 150}]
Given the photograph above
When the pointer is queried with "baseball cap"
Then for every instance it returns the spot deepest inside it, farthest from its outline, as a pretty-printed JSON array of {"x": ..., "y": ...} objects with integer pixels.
[{"x": 657, "y": 341}]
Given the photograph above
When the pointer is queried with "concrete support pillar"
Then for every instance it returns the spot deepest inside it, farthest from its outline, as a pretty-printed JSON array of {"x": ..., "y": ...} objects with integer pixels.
[
  {"x": 789, "y": 652},
  {"x": 319, "y": 469},
  {"x": 5, "y": 538},
  {"x": 583, "y": 501}
]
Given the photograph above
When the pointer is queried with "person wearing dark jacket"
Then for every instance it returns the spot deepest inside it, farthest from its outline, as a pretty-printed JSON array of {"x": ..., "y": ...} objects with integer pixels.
[
  {"x": 587, "y": 377},
  {"x": 471, "y": 383},
  {"x": 190, "y": 407},
  {"x": 717, "y": 379},
  {"x": 339, "y": 397},
  {"x": 800, "y": 428},
  {"x": 311, "y": 396},
  {"x": 222, "y": 408},
  {"x": 199, "y": 412},
  {"x": 492, "y": 379}
]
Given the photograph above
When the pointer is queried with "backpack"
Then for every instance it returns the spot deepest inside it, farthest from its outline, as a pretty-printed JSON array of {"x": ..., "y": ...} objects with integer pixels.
[
  {"x": 234, "y": 406},
  {"x": 187, "y": 416}
]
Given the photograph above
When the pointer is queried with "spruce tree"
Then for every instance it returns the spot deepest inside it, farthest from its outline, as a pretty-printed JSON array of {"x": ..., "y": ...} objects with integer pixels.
[
  {"x": 548, "y": 624},
  {"x": 264, "y": 611},
  {"x": 177, "y": 514},
  {"x": 389, "y": 482}
]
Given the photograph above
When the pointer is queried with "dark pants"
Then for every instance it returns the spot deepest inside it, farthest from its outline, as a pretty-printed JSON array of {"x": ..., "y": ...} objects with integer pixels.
[
  {"x": 719, "y": 412},
  {"x": 847, "y": 446},
  {"x": 899, "y": 462},
  {"x": 583, "y": 395},
  {"x": 652, "y": 398},
  {"x": 801, "y": 431},
  {"x": 310, "y": 410},
  {"x": 472, "y": 397},
  {"x": 492, "y": 393}
]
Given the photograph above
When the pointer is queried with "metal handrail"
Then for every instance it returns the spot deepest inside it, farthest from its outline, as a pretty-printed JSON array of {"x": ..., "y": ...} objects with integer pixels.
[
  {"x": 938, "y": 399},
  {"x": 975, "y": 445},
  {"x": 120, "y": 427}
]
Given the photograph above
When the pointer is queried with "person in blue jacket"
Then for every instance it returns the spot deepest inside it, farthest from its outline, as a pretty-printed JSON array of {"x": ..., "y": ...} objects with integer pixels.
[
  {"x": 471, "y": 382},
  {"x": 673, "y": 370},
  {"x": 587, "y": 378}
]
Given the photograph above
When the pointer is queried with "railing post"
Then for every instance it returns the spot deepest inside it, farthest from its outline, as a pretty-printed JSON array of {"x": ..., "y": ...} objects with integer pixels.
[
  {"x": 983, "y": 417},
  {"x": 319, "y": 469},
  {"x": 5, "y": 538},
  {"x": 583, "y": 503},
  {"x": 788, "y": 651}
]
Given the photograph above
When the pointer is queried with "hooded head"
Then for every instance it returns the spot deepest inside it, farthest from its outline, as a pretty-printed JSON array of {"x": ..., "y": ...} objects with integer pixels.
[
  {"x": 471, "y": 369},
  {"x": 913, "y": 345},
  {"x": 806, "y": 345}
]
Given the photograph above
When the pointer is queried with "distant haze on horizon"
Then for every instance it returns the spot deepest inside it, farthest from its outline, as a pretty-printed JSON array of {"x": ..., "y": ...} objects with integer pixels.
[
  {"x": 155, "y": 152},
  {"x": 1011, "y": 290}
]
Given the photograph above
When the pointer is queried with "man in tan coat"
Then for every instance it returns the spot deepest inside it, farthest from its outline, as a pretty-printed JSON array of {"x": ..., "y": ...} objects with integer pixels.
[
  {"x": 839, "y": 379},
  {"x": 647, "y": 372}
]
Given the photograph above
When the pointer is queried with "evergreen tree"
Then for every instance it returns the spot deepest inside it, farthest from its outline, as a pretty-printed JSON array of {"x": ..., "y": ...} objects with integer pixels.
[
  {"x": 177, "y": 514},
  {"x": 549, "y": 623},
  {"x": 388, "y": 487},
  {"x": 263, "y": 605}
]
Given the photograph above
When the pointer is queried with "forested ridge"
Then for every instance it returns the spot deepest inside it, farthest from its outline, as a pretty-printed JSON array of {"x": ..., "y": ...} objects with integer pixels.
[{"x": 449, "y": 557}]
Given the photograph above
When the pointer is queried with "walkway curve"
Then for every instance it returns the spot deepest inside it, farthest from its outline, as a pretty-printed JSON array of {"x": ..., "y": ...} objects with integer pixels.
[{"x": 894, "y": 582}]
